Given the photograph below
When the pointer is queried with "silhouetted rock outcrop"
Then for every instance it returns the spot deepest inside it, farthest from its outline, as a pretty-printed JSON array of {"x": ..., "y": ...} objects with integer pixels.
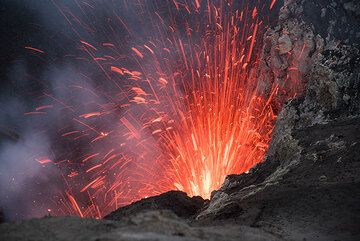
[{"x": 175, "y": 201}]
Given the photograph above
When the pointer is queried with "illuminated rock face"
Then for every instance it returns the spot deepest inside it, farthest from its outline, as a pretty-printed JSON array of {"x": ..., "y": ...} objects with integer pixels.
[{"x": 308, "y": 187}]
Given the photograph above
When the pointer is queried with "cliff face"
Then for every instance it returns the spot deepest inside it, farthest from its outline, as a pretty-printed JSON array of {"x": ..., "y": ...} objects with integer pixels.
[
  {"x": 308, "y": 185},
  {"x": 308, "y": 188}
]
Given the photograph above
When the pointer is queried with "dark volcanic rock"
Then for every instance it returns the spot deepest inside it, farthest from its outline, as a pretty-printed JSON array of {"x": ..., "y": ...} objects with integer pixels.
[
  {"x": 145, "y": 226},
  {"x": 308, "y": 188},
  {"x": 313, "y": 195},
  {"x": 175, "y": 201},
  {"x": 334, "y": 19}
]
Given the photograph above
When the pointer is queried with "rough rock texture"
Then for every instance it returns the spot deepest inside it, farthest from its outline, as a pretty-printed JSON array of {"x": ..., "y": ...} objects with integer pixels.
[
  {"x": 176, "y": 201},
  {"x": 308, "y": 188},
  {"x": 312, "y": 193},
  {"x": 147, "y": 225}
]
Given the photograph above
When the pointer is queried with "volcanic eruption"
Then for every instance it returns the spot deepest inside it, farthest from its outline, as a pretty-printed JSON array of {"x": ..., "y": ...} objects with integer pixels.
[
  {"x": 176, "y": 103},
  {"x": 180, "y": 120}
]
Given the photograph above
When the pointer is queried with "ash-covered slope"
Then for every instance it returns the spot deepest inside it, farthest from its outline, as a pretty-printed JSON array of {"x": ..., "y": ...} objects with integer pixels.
[
  {"x": 148, "y": 219},
  {"x": 313, "y": 193},
  {"x": 309, "y": 186}
]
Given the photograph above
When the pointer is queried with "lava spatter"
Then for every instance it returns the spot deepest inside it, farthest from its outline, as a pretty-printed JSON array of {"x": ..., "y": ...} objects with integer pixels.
[{"x": 182, "y": 108}]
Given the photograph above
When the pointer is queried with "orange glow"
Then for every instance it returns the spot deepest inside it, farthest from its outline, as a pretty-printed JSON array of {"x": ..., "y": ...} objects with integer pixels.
[{"x": 193, "y": 109}]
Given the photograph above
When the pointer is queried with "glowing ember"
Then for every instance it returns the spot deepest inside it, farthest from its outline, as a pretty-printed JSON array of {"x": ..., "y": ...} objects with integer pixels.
[{"x": 184, "y": 108}]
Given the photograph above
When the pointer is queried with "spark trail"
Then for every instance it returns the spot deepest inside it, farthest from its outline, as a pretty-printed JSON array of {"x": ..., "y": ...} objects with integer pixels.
[{"x": 182, "y": 107}]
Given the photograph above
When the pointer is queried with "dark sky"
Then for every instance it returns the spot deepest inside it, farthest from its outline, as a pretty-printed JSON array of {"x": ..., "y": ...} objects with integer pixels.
[
  {"x": 22, "y": 25},
  {"x": 23, "y": 78}
]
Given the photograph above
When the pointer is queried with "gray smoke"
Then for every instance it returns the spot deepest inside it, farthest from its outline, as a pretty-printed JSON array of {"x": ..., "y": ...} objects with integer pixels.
[
  {"x": 34, "y": 80},
  {"x": 27, "y": 187}
]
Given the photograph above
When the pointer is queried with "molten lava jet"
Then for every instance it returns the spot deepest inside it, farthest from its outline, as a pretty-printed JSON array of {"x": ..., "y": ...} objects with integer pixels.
[{"x": 176, "y": 105}]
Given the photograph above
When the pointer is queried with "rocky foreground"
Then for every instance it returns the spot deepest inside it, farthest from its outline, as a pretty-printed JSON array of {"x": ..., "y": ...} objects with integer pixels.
[
  {"x": 312, "y": 194},
  {"x": 308, "y": 188}
]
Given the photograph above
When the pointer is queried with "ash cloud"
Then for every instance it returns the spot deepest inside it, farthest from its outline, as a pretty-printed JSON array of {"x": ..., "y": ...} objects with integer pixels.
[
  {"x": 25, "y": 184},
  {"x": 26, "y": 76}
]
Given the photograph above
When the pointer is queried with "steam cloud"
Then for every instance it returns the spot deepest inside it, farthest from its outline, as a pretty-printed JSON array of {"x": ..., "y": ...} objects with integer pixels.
[{"x": 26, "y": 184}]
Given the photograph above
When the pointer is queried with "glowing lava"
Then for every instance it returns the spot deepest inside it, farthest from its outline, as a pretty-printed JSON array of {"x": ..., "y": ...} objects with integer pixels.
[{"x": 185, "y": 107}]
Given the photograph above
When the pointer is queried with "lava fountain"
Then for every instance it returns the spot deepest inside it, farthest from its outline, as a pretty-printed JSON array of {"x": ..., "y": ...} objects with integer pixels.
[{"x": 179, "y": 105}]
